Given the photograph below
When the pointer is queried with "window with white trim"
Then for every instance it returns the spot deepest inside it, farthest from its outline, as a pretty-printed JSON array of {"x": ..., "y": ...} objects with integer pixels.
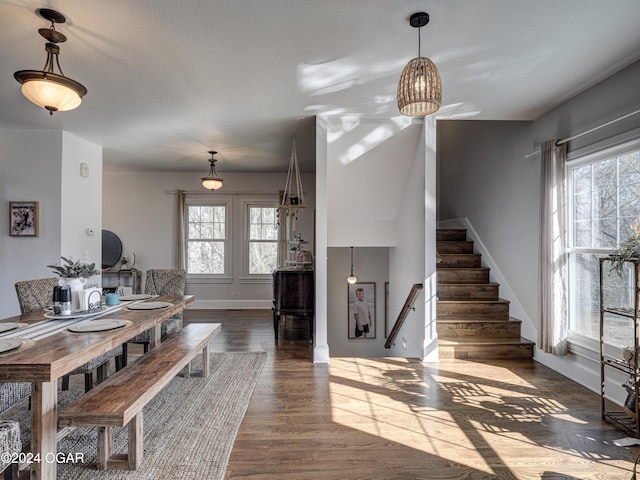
[
  {"x": 604, "y": 199},
  {"x": 207, "y": 239},
  {"x": 262, "y": 239}
]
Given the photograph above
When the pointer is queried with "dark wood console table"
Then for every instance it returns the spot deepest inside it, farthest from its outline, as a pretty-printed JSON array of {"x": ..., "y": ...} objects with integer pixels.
[{"x": 293, "y": 294}]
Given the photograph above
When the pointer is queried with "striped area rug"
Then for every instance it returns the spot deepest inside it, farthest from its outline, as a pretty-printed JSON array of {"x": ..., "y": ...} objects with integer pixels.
[{"x": 189, "y": 428}]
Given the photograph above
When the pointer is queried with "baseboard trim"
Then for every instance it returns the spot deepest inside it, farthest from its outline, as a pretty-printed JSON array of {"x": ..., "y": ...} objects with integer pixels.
[{"x": 232, "y": 305}]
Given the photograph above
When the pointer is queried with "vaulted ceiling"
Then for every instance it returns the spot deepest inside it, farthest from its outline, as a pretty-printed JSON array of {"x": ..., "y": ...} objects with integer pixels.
[{"x": 169, "y": 80}]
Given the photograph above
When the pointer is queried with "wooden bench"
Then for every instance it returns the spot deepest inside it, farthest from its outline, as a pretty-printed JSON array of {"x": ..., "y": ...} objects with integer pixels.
[{"x": 120, "y": 399}]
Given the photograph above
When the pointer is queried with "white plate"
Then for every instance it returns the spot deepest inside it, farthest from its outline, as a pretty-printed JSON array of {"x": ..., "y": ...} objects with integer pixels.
[
  {"x": 8, "y": 326},
  {"x": 149, "y": 305},
  {"x": 77, "y": 315},
  {"x": 97, "y": 325},
  {"x": 7, "y": 344},
  {"x": 135, "y": 296}
]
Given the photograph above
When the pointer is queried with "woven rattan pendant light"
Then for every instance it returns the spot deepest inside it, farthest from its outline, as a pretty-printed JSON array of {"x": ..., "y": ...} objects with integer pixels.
[{"x": 420, "y": 87}]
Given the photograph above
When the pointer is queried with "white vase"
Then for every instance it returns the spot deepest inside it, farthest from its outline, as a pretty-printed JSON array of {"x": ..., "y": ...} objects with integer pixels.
[{"x": 75, "y": 285}]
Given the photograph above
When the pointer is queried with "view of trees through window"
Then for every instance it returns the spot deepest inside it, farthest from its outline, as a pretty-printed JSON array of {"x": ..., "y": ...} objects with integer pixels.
[
  {"x": 206, "y": 236},
  {"x": 263, "y": 237},
  {"x": 604, "y": 201}
]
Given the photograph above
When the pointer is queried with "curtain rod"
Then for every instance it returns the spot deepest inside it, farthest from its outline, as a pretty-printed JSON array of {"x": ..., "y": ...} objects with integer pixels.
[
  {"x": 591, "y": 130},
  {"x": 200, "y": 192}
]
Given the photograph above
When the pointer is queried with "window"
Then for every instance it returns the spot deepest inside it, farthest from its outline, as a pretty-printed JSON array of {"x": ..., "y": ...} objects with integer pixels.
[
  {"x": 262, "y": 239},
  {"x": 604, "y": 199},
  {"x": 207, "y": 239}
]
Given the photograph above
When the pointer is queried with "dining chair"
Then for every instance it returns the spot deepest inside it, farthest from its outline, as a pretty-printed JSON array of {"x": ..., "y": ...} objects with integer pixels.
[
  {"x": 37, "y": 294},
  {"x": 160, "y": 281}
]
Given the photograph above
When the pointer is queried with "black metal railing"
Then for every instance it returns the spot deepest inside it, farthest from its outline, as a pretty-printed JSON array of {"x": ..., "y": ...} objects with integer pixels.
[{"x": 408, "y": 305}]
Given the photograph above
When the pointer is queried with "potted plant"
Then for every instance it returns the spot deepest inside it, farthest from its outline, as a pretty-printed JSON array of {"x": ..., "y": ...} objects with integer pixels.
[
  {"x": 628, "y": 250},
  {"x": 71, "y": 269},
  {"x": 630, "y": 402},
  {"x": 74, "y": 274}
]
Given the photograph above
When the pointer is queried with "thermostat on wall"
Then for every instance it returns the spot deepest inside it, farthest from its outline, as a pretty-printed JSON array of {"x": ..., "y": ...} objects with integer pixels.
[{"x": 84, "y": 170}]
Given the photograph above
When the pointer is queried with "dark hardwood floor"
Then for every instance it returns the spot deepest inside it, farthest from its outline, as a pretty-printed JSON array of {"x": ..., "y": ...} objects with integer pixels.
[{"x": 393, "y": 418}]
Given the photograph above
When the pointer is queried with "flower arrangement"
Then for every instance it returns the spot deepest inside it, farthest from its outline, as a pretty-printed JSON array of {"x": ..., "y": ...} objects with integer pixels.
[
  {"x": 628, "y": 250},
  {"x": 71, "y": 269}
]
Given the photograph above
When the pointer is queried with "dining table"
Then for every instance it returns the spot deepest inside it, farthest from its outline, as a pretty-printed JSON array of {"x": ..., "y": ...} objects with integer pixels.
[{"x": 51, "y": 346}]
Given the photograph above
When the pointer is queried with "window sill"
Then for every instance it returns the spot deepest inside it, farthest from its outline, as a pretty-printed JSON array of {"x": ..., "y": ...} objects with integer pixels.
[
  {"x": 257, "y": 279},
  {"x": 207, "y": 279}
]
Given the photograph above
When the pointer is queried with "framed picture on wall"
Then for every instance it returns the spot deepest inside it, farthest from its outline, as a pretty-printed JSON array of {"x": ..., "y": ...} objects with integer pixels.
[
  {"x": 24, "y": 218},
  {"x": 362, "y": 310}
]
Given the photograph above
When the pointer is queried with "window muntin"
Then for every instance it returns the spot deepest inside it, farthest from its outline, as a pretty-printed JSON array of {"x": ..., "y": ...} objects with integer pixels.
[
  {"x": 604, "y": 201},
  {"x": 262, "y": 239},
  {"x": 206, "y": 239}
]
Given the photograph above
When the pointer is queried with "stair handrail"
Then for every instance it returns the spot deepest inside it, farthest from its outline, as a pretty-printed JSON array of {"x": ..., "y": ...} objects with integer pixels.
[{"x": 408, "y": 305}]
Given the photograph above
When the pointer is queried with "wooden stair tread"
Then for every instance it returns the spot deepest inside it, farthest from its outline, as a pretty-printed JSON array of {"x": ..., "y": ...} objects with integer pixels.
[
  {"x": 477, "y": 320},
  {"x": 469, "y": 301},
  {"x": 484, "y": 341}
]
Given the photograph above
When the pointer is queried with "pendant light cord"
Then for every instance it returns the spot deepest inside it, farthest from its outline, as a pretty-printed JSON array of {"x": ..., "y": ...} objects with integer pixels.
[{"x": 419, "y": 41}]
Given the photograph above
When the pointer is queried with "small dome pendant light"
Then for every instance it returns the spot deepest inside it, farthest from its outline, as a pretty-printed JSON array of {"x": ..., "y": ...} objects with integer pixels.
[
  {"x": 420, "y": 87},
  {"x": 212, "y": 181},
  {"x": 351, "y": 279},
  {"x": 47, "y": 89}
]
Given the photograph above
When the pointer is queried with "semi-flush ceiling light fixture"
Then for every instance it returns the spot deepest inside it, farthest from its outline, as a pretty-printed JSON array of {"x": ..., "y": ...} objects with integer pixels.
[
  {"x": 420, "y": 88},
  {"x": 212, "y": 181},
  {"x": 47, "y": 89},
  {"x": 351, "y": 279}
]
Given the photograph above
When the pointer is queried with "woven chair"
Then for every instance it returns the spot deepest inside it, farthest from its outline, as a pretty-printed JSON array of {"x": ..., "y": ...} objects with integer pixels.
[
  {"x": 37, "y": 294},
  {"x": 163, "y": 282},
  {"x": 10, "y": 443}
]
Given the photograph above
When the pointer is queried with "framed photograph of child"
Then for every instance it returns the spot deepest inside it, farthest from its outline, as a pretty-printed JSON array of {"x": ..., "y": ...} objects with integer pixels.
[
  {"x": 362, "y": 310},
  {"x": 24, "y": 219}
]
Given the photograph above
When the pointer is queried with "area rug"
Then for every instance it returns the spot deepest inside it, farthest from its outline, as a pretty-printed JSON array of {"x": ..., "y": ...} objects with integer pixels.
[{"x": 189, "y": 428}]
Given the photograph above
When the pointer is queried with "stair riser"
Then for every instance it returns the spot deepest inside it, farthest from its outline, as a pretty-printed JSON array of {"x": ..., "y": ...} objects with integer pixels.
[
  {"x": 498, "y": 311},
  {"x": 454, "y": 247},
  {"x": 467, "y": 292},
  {"x": 486, "y": 352},
  {"x": 443, "y": 234},
  {"x": 472, "y": 260},
  {"x": 479, "y": 329},
  {"x": 462, "y": 275}
]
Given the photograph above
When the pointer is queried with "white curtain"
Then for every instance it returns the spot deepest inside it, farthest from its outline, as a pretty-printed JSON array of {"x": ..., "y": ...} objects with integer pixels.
[
  {"x": 554, "y": 321},
  {"x": 179, "y": 260}
]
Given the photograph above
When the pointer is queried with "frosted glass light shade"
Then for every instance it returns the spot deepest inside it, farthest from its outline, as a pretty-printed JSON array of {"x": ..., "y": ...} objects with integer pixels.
[
  {"x": 419, "y": 88},
  {"x": 211, "y": 183},
  {"x": 50, "y": 91},
  {"x": 351, "y": 279}
]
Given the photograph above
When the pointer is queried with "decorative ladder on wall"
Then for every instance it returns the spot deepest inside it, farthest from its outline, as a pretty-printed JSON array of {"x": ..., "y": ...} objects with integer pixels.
[{"x": 473, "y": 322}]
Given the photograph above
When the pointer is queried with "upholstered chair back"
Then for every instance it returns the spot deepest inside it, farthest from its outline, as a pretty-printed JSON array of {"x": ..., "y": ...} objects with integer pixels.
[{"x": 165, "y": 282}]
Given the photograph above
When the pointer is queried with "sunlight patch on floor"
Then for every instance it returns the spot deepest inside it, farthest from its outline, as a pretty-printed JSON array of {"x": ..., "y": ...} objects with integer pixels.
[{"x": 389, "y": 400}]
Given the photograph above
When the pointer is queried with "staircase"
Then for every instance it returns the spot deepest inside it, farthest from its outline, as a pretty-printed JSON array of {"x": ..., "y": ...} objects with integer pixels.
[{"x": 473, "y": 322}]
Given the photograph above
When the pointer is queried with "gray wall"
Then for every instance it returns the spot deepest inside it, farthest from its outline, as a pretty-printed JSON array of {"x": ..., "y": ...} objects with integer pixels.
[{"x": 488, "y": 174}]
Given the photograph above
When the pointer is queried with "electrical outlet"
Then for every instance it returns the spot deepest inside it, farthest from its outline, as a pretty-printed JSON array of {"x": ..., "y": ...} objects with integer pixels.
[
  {"x": 233, "y": 294},
  {"x": 404, "y": 343}
]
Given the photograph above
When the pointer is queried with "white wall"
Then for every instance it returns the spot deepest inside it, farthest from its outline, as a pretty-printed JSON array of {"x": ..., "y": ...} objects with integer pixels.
[
  {"x": 137, "y": 208},
  {"x": 375, "y": 197},
  {"x": 43, "y": 166},
  {"x": 81, "y": 201}
]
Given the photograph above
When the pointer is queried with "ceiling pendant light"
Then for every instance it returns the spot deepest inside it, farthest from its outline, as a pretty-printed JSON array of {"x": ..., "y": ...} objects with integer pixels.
[
  {"x": 212, "y": 181},
  {"x": 351, "y": 279},
  {"x": 420, "y": 87},
  {"x": 47, "y": 89}
]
